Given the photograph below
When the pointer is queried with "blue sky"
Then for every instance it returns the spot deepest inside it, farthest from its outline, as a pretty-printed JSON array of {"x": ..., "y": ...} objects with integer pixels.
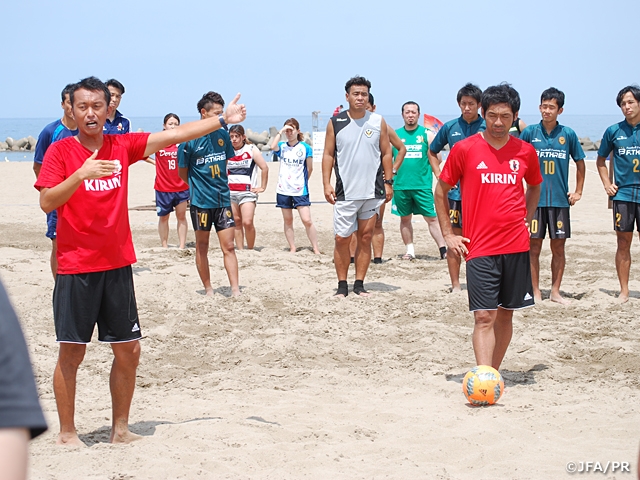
[{"x": 290, "y": 58}]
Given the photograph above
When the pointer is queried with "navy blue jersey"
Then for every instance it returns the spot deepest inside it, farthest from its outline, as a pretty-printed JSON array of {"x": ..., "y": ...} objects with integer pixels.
[
  {"x": 51, "y": 133},
  {"x": 553, "y": 151},
  {"x": 206, "y": 158},
  {"x": 624, "y": 141},
  {"x": 119, "y": 125},
  {"x": 452, "y": 132}
]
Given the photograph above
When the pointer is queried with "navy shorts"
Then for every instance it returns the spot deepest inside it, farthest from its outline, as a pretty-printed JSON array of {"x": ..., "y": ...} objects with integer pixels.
[
  {"x": 204, "y": 218},
  {"x": 167, "y": 201},
  {"x": 554, "y": 219},
  {"x": 82, "y": 300},
  {"x": 455, "y": 213},
  {"x": 52, "y": 224},
  {"x": 289, "y": 201},
  {"x": 500, "y": 281},
  {"x": 625, "y": 216}
]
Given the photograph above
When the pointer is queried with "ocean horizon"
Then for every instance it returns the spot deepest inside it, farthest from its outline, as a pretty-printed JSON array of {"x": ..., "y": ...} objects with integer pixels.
[{"x": 592, "y": 126}]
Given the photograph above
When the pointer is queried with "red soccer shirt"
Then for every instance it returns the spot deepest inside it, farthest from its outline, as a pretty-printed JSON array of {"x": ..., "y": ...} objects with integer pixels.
[
  {"x": 167, "y": 178},
  {"x": 493, "y": 197},
  {"x": 93, "y": 226}
]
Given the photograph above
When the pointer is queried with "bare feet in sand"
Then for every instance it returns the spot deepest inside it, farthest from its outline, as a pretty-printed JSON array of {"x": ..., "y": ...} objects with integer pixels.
[
  {"x": 556, "y": 297},
  {"x": 69, "y": 440},
  {"x": 623, "y": 297},
  {"x": 457, "y": 289},
  {"x": 123, "y": 437},
  {"x": 208, "y": 292}
]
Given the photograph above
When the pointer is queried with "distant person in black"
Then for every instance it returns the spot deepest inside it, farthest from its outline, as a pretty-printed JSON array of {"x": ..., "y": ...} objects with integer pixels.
[{"x": 21, "y": 417}]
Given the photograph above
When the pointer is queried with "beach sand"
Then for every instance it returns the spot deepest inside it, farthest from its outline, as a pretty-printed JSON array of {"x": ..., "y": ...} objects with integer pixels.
[{"x": 287, "y": 382}]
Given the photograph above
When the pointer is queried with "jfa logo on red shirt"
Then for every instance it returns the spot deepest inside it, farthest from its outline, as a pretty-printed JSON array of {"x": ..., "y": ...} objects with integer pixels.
[{"x": 515, "y": 165}]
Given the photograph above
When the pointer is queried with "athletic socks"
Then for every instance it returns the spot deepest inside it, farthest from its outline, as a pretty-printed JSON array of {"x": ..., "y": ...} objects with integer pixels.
[
  {"x": 443, "y": 253},
  {"x": 358, "y": 287},
  {"x": 410, "y": 250},
  {"x": 343, "y": 289},
  {"x": 377, "y": 260}
]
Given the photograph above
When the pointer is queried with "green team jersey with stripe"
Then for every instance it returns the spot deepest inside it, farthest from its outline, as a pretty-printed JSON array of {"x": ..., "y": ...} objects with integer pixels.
[
  {"x": 554, "y": 150},
  {"x": 624, "y": 141},
  {"x": 206, "y": 158},
  {"x": 415, "y": 172}
]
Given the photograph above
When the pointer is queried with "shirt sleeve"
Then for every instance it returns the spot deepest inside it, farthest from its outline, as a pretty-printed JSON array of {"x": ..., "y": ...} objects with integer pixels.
[
  {"x": 440, "y": 141},
  {"x": 526, "y": 134},
  {"x": 606, "y": 145},
  {"x": 532, "y": 176},
  {"x": 575, "y": 149},
  {"x": 19, "y": 404},
  {"x": 309, "y": 150},
  {"x": 183, "y": 155},
  {"x": 52, "y": 172},
  {"x": 44, "y": 140},
  {"x": 452, "y": 170},
  {"x": 136, "y": 145}
]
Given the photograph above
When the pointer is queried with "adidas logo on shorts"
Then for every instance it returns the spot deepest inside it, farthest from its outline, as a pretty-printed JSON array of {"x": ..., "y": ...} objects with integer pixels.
[
  {"x": 527, "y": 296},
  {"x": 135, "y": 328}
]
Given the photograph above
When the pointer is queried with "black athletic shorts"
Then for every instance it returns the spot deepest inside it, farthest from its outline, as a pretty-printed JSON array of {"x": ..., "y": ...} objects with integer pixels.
[
  {"x": 625, "y": 215},
  {"x": 204, "y": 218},
  {"x": 107, "y": 298},
  {"x": 500, "y": 281},
  {"x": 455, "y": 213},
  {"x": 554, "y": 219}
]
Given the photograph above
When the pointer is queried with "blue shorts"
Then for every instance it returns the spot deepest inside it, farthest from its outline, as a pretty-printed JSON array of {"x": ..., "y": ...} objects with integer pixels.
[
  {"x": 52, "y": 224},
  {"x": 288, "y": 201},
  {"x": 166, "y": 201}
]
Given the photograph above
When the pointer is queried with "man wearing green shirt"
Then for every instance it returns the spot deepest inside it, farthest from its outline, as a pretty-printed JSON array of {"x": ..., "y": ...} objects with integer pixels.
[{"x": 413, "y": 183}]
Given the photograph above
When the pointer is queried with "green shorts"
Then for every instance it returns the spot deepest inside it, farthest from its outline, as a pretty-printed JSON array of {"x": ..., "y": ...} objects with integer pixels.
[{"x": 413, "y": 202}]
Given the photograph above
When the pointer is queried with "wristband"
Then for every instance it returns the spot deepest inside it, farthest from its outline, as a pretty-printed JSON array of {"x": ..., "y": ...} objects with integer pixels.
[{"x": 223, "y": 124}]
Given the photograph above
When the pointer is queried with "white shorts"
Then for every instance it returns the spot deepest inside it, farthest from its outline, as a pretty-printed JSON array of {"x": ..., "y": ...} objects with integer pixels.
[
  {"x": 243, "y": 197},
  {"x": 346, "y": 214}
]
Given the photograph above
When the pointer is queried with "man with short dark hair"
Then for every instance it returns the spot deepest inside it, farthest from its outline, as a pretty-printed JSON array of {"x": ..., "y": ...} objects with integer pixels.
[
  {"x": 468, "y": 123},
  {"x": 622, "y": 141},
  {"x": 116, "y": 123},
  {"x": 413, "y": 182},
  {"x": 86, "y": 179},
  {"x": 491, "y": 167},
  {"x": 554, "y": 144},
  {"x": 62, "y": 128},
  {"x": 357, "y": 147},
  {"x": 202, "y": 164}
]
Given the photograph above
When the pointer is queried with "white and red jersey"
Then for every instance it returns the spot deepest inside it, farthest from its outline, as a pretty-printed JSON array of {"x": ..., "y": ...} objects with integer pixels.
[
  {"x": 493, "y": 196},
  {"x": 241, "y": 170},
  {"x": 93, "y": 225},
  {"x": 167, "y": 178}
]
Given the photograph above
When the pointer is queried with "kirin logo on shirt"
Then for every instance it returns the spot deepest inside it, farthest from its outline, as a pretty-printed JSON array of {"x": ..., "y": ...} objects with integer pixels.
[
  {"x": 101, "y": 185},
  {"x": 515, "y": 165},
  {"x": 368, "y": 132}
]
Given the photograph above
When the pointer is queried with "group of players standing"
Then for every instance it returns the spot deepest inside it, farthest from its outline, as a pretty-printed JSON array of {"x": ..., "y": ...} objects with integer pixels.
[{"x": 85, "y": 178}]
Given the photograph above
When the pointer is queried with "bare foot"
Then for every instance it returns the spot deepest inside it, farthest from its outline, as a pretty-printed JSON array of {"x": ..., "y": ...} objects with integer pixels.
[
  {"x": 69, "y": 440},
  {"x": 456, "y": 289},
  {"x": 292, "y": 250},
  {"x": 209, "y": 292},
  {"x": 537, "y": 298},
  {"x": 235, "y": 292},
  {"x": 623, "y": 297},
  {"x": 124, "y": 437},
  {"x": 556, "y": 297},
  {"x": 316, "y": 251},
  {"x": 363, "y": 294}
]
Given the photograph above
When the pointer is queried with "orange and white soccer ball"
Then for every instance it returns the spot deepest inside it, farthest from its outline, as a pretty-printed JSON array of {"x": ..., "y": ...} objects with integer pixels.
[{"x": 483, "y": 385}]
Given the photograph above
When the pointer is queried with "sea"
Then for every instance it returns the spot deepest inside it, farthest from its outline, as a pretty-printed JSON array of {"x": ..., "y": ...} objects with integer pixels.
[{"x": 592, "y": 126}]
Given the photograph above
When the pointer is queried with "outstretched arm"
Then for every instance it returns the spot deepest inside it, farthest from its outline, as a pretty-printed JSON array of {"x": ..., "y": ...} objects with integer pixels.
[{"x": 235, "y": 114}]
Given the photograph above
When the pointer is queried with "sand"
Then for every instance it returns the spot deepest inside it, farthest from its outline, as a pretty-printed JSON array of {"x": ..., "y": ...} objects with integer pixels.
[{"x": 287, "y": 382}]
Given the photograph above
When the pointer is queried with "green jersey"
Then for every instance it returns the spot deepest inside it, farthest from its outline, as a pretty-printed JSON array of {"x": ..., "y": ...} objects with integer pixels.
[{"x": 415, "y": 172}]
